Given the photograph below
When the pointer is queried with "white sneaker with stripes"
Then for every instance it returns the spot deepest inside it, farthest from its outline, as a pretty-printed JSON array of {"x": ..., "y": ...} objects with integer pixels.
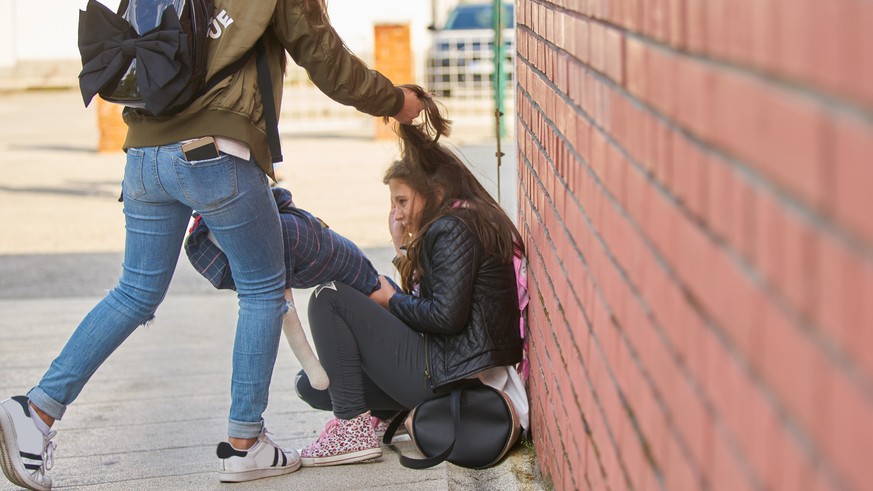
[
  {"x": 264, "y": 459},
  {"x": 25, "y": 452}
]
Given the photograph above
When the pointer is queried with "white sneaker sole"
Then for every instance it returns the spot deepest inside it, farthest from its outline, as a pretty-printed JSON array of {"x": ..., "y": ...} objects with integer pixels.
[
  {"x": 253, "y": 474},
  {"x": 10, "y": 461},
  {"x": 346, "y": 458}
]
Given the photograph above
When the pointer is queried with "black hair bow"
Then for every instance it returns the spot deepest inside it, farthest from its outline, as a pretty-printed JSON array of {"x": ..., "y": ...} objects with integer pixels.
[{"x": 108, "y": 44}]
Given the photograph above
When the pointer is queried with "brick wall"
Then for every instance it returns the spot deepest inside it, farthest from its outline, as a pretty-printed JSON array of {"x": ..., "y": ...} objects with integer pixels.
[{"x": 695, "y": 182}]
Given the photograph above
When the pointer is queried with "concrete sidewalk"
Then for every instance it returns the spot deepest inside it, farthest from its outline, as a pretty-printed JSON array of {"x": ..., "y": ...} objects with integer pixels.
[{"x": 152, "y": 415}]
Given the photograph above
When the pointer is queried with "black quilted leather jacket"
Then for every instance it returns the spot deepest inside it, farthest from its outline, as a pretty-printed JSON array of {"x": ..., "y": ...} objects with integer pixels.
[{"x": 467, "y": 307}]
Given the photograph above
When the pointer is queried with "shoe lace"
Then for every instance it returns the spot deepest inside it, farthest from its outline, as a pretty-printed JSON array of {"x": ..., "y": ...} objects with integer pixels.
[
  {"x": 328, "y": 430},
  {"x": 48, "y": 451},
  {"x": 265, "y": 437}
]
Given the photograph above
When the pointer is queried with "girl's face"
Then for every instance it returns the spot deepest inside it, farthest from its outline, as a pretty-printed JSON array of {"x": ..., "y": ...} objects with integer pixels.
[{"x": 407, "y": 204}]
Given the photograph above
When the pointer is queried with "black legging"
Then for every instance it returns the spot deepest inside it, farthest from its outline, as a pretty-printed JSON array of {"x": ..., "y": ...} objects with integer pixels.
[{"x": 374, "y": 361}]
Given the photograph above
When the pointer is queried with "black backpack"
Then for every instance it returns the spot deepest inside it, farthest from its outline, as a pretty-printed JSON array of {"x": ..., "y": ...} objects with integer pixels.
[{"x": 151, "y": 55}]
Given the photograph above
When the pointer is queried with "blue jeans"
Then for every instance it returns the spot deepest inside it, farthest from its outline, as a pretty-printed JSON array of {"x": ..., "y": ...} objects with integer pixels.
[{"x": 160, "y": 191}]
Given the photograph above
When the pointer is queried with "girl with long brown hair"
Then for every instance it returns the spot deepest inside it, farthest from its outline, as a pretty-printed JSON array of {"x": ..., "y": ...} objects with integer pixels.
[{"x": 455, "y": 317}]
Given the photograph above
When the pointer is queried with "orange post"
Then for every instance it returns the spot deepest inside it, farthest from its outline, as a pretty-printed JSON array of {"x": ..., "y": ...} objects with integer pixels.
[
  {"x": 393, "y": 58},
  {"x": 113, "y": 131}
]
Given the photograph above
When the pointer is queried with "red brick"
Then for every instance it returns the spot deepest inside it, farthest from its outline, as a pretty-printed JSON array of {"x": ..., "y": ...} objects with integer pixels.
[
  {"x": 790, "y": 468},
  {"x": 739, "y": 48},
  {"x": 764, "y": 33},
  {"x": 676, "y": 20},
  {"x": 733, "y": 301},
  {"x": 633, "y": 15},
  {"x": 692, "y": 419},
  {"x": 613, "y": 12},
  {"x": 741, "y": 231},
  {"x": 635, "y": 462},
  {"x": 613, "y": 45},
  {"x": 662, "y": 226},
  {"x": 678, "y": 472},
  {"x": 843, "y": 306},
  {"x": 689, "y": 174},
  {"x": 694, "y": 257},
  {"x": 638, "y": 190},
  {"x": 636, "y": 63},
  {"x": 769, "y": 234},
  {"x": 644, "y": 128},
  {"x": 725, "y": 473},
  {"x": 717, "y": 28},
  {"x": 662, "y": 151},
  {"x": 720, "y": 199},
  {"x": 695, "y": 107},
  {"x": 582, "y": 41},
  {"x": 858, "y": 312},
  {"x": 695, "y": 25},
  {"x": 723, "y": 377},
  {"x": 793, "y": 136},
  {"x": 597, "y": 32},
  {"x": 620, "y": 118},
  {"x": 798, "y": 19},
  {"x": 657, "y": 19},
  {"x": 853, "y": 170},
  {"x": 633, "y": 140},
  {"x": 830, "y": 51},
  {"x": 860, "y": 39},
  {"x": 754, "y": 422},
  {"x": 737, "y": 102},
  {"x": 616, "y": 171},
  {"x": 663, "y": 81},
  {"x": 799, "y": 280},
  {"x": 657, "y": 434},
  {"x": 794, "y": 366},
  {"x": 850, "y": 431}
]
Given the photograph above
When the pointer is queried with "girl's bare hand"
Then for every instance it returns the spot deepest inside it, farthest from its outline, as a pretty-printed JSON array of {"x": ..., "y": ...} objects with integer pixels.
[{"x": 384, "y": 293}]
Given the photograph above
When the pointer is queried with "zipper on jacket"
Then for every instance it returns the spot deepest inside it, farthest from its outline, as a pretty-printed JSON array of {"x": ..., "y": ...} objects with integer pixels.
[{"x": 426, "y": 363}]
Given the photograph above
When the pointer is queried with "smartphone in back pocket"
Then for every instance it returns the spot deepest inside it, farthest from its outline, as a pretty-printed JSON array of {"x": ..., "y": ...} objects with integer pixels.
[{"x": 200, "y": 149}]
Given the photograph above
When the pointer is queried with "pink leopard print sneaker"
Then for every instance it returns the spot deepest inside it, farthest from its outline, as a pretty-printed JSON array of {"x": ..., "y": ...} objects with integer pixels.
[{"x": 343, "y": 442}]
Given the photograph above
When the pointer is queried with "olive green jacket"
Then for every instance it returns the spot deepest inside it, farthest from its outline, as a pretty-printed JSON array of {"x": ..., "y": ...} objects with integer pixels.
[{"x": 233, "y": 108}]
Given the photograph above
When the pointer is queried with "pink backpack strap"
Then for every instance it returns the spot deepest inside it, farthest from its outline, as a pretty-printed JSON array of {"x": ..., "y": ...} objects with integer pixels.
[{"x": 520, "y": 264}]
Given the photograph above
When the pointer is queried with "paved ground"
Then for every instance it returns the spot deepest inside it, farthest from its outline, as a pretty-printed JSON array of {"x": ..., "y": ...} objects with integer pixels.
[{"x": 152, "y": 415}]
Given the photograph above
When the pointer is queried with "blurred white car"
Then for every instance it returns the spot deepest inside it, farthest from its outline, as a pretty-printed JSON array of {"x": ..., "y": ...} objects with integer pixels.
[{"x": 461, "y": 59}]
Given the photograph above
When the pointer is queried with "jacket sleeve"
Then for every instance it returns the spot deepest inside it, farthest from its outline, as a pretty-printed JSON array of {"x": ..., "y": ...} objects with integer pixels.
[
  {"x": 453, "y": 251},
  {"x": 305, "y": 31}
]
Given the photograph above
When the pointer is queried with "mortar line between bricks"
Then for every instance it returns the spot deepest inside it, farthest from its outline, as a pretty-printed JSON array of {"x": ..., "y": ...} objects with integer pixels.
[
  {"x": 634, "y": 355},
  {"x": 839, "y": 357},
  {"x": 790, "y": 424},
  {"x": 548, "y": 392},
  {"x": 557, "y": 387},
  {"x": 589, "y": 325},
  {"x": 588, "y": 435},
  {"x": 754, "y": 177},
  {"x": 808, "y": 91},
  {"x": 542, "y": 411}
]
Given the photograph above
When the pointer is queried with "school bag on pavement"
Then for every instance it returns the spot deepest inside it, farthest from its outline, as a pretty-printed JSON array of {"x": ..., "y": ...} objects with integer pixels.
[
  {"x": 151, "y": 55},
  {"x": 473, "y": 426}
]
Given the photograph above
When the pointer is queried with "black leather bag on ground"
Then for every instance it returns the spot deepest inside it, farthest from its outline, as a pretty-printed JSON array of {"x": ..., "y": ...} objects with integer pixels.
[{"x": 474, "y": 426}]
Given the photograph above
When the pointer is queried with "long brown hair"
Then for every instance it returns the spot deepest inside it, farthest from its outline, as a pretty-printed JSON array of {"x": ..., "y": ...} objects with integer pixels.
[{"x": 448, "y": 188}]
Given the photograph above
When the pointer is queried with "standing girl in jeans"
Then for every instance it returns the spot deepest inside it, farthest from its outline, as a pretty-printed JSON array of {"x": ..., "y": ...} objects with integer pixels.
[
  {"x": 457, "y": 316},
  {"x": 232, "y": 193}
]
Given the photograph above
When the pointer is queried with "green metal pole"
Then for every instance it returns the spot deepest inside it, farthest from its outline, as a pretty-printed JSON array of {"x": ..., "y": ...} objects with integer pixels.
[
  {"x": 499, "y": 55},
  {"x": 499, "y": 77}
]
